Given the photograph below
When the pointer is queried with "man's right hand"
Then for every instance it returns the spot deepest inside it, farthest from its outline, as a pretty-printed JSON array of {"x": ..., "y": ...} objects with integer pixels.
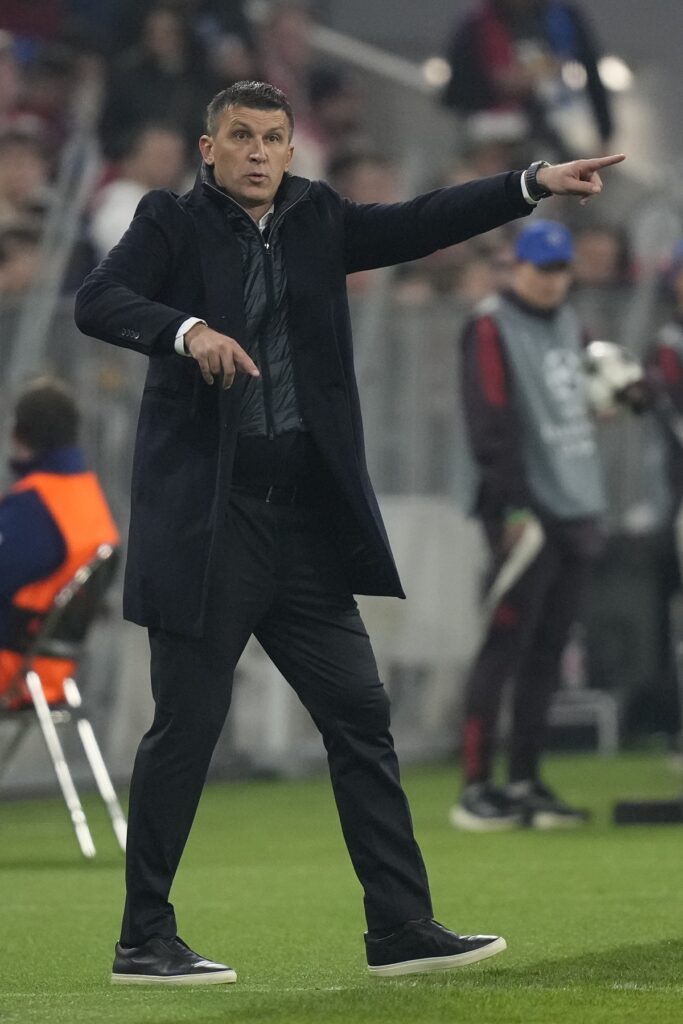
[{"x": 218, "y": 355}]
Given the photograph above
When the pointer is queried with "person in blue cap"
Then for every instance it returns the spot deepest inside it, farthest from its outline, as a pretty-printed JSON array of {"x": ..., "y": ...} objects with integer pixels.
[{"x": 539, "y": 501}]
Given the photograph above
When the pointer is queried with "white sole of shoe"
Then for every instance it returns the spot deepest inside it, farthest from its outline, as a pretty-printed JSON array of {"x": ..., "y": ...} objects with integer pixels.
[
  {"x": 214, "y": 978},
  {"x": 461, "y": 818},
  {"x": 545, "y": 821},
  {"x": 439, "y": 963}
]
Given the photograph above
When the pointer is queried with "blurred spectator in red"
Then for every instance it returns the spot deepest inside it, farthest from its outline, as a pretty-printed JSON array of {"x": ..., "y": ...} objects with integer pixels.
[
  {"x": 19, "y": 258},
  {"x": 537, "y": 58},
  {"x": 153, "y": 157},
  {"x": 164, "y": 73},
  {"x": 24, "y": 176}
]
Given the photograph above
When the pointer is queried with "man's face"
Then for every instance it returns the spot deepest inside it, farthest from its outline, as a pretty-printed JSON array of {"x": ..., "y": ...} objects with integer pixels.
[
  {"x": 249, "y": 152},
  {"x": 545, "y": 287}
]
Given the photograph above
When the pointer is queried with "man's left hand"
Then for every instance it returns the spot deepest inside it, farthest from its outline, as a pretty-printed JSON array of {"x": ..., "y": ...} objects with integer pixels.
[{"x": 578, "y": 178}]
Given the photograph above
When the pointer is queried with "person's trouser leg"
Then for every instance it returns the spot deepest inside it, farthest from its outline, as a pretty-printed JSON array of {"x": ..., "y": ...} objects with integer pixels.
[
  {"x": 505, "y": 646},
  {"x": 191, "y": 684},
  {"x": 315, "y": 636},
  {"x": 538, "y": 677}
]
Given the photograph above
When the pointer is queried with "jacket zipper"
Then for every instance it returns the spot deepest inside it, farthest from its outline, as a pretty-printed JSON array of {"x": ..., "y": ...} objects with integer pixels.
[
  {"x": 270, "y": 308},
  {"x": 270, "y": 305},
  {"x": 270, "y": 302}
]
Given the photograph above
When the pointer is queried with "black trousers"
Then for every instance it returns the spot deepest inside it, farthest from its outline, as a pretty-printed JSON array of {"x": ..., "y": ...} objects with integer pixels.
[
  {"x": 278, "y": 576},
  {"x": 523, "y": 646}
]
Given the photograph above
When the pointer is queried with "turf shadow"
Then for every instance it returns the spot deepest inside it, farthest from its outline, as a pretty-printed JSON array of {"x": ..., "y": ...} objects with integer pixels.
[
  {"x": 55, "y": 864},
  {"x": 641, "y": 965}
]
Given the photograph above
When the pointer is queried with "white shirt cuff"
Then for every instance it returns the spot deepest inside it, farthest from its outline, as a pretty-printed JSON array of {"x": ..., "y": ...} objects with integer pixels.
[
  {"x": 185, "y": 326},
  {"x": 525, "y": 191}
]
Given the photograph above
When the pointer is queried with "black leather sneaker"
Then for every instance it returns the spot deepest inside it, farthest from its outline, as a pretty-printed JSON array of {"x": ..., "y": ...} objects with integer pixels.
[
  {"x": 420, "y": 946},
  {"x": 544, "y": 809},
  {"x": 166, "y": 962},
  {"x": 484, "y": 807}
]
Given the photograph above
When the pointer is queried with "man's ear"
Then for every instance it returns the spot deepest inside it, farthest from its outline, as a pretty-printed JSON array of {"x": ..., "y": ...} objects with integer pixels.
[{"x": 206, "y": 149}]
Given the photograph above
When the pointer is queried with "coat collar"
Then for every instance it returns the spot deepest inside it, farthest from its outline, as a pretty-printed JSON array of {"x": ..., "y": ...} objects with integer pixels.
[{"x": 291, "y": 191}]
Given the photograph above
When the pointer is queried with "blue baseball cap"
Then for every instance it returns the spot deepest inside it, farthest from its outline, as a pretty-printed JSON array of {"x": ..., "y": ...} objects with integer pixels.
[{"x": 544, "y": 242}]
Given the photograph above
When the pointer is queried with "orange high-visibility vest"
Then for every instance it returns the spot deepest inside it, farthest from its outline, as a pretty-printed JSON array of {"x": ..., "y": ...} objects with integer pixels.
[{"x": 80, "y": 511}]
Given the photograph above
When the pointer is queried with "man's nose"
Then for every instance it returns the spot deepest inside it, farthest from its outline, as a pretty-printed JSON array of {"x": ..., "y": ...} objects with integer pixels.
[{"x": 259, "y": 151}]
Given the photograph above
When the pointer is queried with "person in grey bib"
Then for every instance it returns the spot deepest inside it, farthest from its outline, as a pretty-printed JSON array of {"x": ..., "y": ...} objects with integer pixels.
[{"x": 540, "y": 501}]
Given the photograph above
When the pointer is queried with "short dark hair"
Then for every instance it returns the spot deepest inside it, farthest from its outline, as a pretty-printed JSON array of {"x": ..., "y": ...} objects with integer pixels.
[
  {"x": 258, "y": 95},
  {"x": 46, "y": 416}
]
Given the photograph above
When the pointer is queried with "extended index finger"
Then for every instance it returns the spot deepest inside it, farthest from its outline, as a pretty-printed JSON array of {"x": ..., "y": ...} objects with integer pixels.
[
  {"x": 605, "y": 161},
  {"x": 244, "y": 362}
]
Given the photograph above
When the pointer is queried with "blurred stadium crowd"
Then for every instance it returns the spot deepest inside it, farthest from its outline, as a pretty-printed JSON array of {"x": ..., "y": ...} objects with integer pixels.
[
  {"x": 137, "y": 75},
  {"x": 142, "y": 73}
]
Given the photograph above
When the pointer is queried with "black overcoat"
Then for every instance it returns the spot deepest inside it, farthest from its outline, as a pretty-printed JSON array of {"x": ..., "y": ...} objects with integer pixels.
[{"x": 180, "y": 258}]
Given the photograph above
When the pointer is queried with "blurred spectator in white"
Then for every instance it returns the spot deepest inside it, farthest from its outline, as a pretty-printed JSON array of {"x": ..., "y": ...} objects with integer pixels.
[
  {"x": 19, "y": 258},
  {"x": 533, "y": 58},
  {"x": 24, "y": 176},
  {"x": 164, "y": 73},
  {"x": 153, "y": 157}
]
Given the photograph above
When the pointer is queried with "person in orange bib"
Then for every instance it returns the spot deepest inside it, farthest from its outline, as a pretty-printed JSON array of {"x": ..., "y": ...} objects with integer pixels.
[{"x": 52, "y": 521}]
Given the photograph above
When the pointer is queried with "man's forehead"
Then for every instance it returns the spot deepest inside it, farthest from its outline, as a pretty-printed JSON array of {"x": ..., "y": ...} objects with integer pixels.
[{"x": 274, "y": 118}]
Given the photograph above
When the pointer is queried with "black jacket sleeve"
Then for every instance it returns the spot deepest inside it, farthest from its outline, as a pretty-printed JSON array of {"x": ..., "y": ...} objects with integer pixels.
[
  {"x": 493, "y": 424},
  {"x": 384, "y": 234},
  {"x": 118, "y": 301}
]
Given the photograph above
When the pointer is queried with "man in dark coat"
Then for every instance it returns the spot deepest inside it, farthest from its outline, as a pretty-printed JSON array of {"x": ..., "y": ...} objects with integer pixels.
[{"x": 252, "y": 507}]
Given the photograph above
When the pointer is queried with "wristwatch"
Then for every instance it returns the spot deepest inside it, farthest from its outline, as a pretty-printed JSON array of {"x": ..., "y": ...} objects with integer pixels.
[{"x": 535, "y": 190}]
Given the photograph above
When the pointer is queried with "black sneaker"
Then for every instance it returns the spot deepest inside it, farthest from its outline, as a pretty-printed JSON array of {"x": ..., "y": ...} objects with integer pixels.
[
  {"x": 420, "y": 946},
  {"x": 484, "y": 807},
  {"x": 543, "y": 809},
  {"x": 166, "y": 962}
]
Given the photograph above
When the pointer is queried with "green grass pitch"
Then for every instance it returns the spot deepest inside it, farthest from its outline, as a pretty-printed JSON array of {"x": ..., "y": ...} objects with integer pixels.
[{"x": 593, "y": 918}]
